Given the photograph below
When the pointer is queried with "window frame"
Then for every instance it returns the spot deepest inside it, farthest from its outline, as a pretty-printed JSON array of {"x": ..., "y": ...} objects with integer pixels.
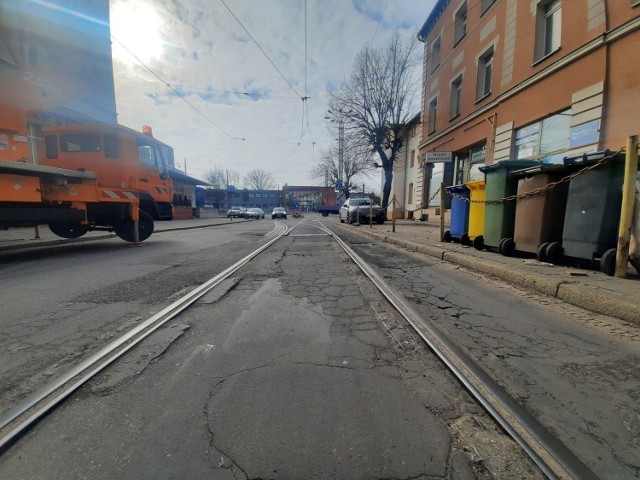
[
  {"x": 432, "y": 115},
  {"x": 456, "y": 97},
  {"x": 485, "y": 5},
  {"x": 485, "y": 64},
  {"x": 546, "y": 45},
  {"x": 460, "y": 23},
  {"x": 438, "y": 42}
]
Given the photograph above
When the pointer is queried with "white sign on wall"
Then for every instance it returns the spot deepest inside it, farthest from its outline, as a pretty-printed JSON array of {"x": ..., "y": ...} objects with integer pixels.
[{"x": 439, "y": 157}]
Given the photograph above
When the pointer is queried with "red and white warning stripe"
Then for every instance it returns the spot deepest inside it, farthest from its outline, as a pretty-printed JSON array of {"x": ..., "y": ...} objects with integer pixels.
[{"x": 119, "y": 194}]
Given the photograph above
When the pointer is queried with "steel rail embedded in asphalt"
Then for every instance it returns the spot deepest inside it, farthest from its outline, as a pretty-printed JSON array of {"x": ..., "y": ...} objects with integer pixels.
[
  {"x": 552, "y": 457},
  {"x": 45, "y": 399}
]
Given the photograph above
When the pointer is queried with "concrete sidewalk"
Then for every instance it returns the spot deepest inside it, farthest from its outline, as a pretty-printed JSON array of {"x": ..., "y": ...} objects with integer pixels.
[{"x": 589, "y": 289}]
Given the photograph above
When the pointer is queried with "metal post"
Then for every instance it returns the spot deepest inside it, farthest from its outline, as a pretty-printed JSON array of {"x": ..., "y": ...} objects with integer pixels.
[
  {"x": 36, "y": 232},
  {"x": 370, "y": 215},
  {"x": 393, "y": 214},
  {"x": 626, "y": 210},
  {"x": 442, "y": 210},
  {"x": 340, "y": 149}
]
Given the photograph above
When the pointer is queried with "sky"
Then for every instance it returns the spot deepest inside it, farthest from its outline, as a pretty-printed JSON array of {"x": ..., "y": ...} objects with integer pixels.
[{"x": 222, "y": 81}]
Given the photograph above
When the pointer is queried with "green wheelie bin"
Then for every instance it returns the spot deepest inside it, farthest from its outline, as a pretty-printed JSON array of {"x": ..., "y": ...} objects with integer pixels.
[{"x": 499, "y": 218}]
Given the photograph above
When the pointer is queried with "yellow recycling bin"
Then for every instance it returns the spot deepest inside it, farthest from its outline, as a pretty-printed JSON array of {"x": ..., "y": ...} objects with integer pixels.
[{"x": 476, "y": 213}]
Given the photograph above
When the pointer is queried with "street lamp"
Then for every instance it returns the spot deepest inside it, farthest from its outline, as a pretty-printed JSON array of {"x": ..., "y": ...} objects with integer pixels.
[{"x": 339, "y": 119}]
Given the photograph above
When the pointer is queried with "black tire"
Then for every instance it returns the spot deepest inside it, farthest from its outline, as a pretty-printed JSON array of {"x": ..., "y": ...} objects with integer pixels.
[
  {"x": 380, "y": 221},
  {"x": 447, "y": 236},
  {"x": 508, "y": 247},
  {"x": 125, "y": 228},
  {"x": 68, "y": 230},
  {"x": 341, "y": 219},
  {"x": 553, "y": 252},
  {"x": 285, "y": 217},
  {"x": 478, "y": 242},
  {"x": 542, "y": 253},
  {"x": 608, "y": 262},
  {"x": 464, "y": 240},
  {"x": 325, "y": 214}
]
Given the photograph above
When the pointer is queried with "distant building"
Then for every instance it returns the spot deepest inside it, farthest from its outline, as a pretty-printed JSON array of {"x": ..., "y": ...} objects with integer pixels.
[{"x": 512, "y": 79}]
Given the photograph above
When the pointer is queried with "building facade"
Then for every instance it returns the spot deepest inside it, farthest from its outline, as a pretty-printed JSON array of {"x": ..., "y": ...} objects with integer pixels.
[{"x": 542, "y": 79}]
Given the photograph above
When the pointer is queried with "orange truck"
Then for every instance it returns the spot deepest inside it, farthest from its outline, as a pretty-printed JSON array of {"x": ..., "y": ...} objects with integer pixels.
[{"x": 87, "y": 177}]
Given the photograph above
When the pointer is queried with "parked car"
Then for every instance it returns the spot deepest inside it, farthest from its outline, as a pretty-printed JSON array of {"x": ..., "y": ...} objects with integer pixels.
[
  {"x": 279, "y": 212},
  {"x": 358, "y": 209},
  {"x": 234, "y": 212},
  {"x": 256, "y": 213}
]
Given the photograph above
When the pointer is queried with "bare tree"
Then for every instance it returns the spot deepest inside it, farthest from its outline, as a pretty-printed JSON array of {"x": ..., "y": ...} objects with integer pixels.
[
  {"x": 375, "y": 101},
  {"x": 219, "y": 178},
  {"x": 259, "y": 179},
  {"x": 357, "y": 163}
]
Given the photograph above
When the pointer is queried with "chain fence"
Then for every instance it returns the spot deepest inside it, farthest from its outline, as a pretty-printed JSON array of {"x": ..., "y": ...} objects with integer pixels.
[{"x": 548, "y": 186}]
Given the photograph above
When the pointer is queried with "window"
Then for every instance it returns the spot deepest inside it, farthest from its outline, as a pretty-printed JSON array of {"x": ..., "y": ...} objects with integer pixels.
[
  {"x": 51, "y": 146},
  {"x": 486, "y": 4},
  {"x": 547, "y": 136},
  {"x": 433, "y": 106},
  {"x": 413, "y": 158},
  {"x": 146, "y": 155},
  {"x": 456, "y": 92},
  {"x": 485, "y": 74},
  {"x": 410, "y": 194},
  {"x": 110, "y": 145},
  {"x": 435, "y": 54},
  {"x": 548, "y": 28},
  {"x": 460, "y": 24},
  {"x": 80, "y": 142}
]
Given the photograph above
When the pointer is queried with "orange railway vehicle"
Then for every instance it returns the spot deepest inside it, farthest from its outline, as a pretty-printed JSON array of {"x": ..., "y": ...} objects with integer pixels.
[{"x": 90, "y": 177}]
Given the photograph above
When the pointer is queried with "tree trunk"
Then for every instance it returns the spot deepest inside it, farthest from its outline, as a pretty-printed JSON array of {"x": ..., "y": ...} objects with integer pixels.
[{"x": 386, "y": 190}]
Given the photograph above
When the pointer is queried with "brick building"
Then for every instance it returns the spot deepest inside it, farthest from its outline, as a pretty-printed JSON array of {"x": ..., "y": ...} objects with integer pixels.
[{"x": 508, "y": 79}]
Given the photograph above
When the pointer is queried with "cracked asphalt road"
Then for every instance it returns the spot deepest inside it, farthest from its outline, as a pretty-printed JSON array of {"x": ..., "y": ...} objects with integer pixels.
[
  {"x": 575, "y": 370},
  {"x": 289, "y": 370}
]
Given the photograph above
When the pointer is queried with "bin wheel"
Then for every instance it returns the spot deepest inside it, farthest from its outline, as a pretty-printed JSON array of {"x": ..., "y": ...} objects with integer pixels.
[
  {"x": 542, "y": 254},
  {"x": 553, "y": 252},
  {"x": 464, "y": 239},
  {"x": 447, "y": 236},
  {"x": 608, "y": 262},
  {"x": 478, "y": 242},
  {"x": 507, "y": 247}
]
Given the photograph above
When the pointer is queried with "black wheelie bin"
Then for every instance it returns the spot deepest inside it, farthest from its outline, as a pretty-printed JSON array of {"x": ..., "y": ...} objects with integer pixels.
[{"x": 592, "y": 214}]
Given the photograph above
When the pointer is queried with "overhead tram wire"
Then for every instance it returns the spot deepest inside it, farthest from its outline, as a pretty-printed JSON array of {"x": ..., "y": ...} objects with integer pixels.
[
  {"x": 261, "y": 49},
  {"x": 171, "y": 88},
  {"x": 248, "y": 94},
  {"x": 379, "y": 21}
]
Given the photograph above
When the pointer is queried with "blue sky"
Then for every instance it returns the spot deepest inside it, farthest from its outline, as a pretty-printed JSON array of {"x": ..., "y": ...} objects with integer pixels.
[{"x": 208, "y": 90}]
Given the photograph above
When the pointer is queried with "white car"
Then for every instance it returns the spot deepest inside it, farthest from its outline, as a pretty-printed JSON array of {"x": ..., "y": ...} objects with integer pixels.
[{"x": 358, "y": 209}]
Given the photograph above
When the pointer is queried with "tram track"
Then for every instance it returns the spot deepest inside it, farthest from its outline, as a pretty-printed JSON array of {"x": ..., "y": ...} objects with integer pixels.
[{"x": 553, "y": 458}]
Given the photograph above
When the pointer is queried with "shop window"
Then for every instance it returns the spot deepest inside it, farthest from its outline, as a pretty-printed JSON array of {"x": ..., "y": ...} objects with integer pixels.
[
  {"x": 548, "y": 136},
  {"x": 456, "y": 94},
  {"x": 485, "y": 74},
  {"x": 460, "y": 28},
  {"x": 548, "y": 28}
]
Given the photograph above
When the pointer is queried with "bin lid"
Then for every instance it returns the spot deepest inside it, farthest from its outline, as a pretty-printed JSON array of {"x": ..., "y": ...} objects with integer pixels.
[
  {"x": 475, "y": 184},
  {"x": 462, "y": 188},
  {"x": 509, "y": 165},
  {"x": 587, "y": 158},
  {"x": 542, "y": 168}
]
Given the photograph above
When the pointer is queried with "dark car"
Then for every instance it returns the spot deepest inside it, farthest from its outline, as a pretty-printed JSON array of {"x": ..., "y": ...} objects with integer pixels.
[
  {"x": 279, "y": 212},
  {"x": 359, "y": 209}
]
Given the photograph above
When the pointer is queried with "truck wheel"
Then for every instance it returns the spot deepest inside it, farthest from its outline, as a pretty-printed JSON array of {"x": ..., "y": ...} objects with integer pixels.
[
  {"x": 124, "y": 229},
  {"x": 68, "y": 230},
  {"x": 325, "y": 214}
]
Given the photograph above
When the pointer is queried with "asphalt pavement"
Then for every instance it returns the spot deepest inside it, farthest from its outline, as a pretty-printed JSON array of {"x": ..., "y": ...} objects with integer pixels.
[{"x": 588, "y": 289}]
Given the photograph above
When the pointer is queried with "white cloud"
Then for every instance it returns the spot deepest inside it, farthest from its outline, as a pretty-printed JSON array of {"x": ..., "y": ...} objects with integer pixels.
[{"x": 205, "y": 48}]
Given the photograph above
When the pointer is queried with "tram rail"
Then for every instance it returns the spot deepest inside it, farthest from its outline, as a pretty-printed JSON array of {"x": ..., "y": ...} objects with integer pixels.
[{"x": 553, "y": 458}]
